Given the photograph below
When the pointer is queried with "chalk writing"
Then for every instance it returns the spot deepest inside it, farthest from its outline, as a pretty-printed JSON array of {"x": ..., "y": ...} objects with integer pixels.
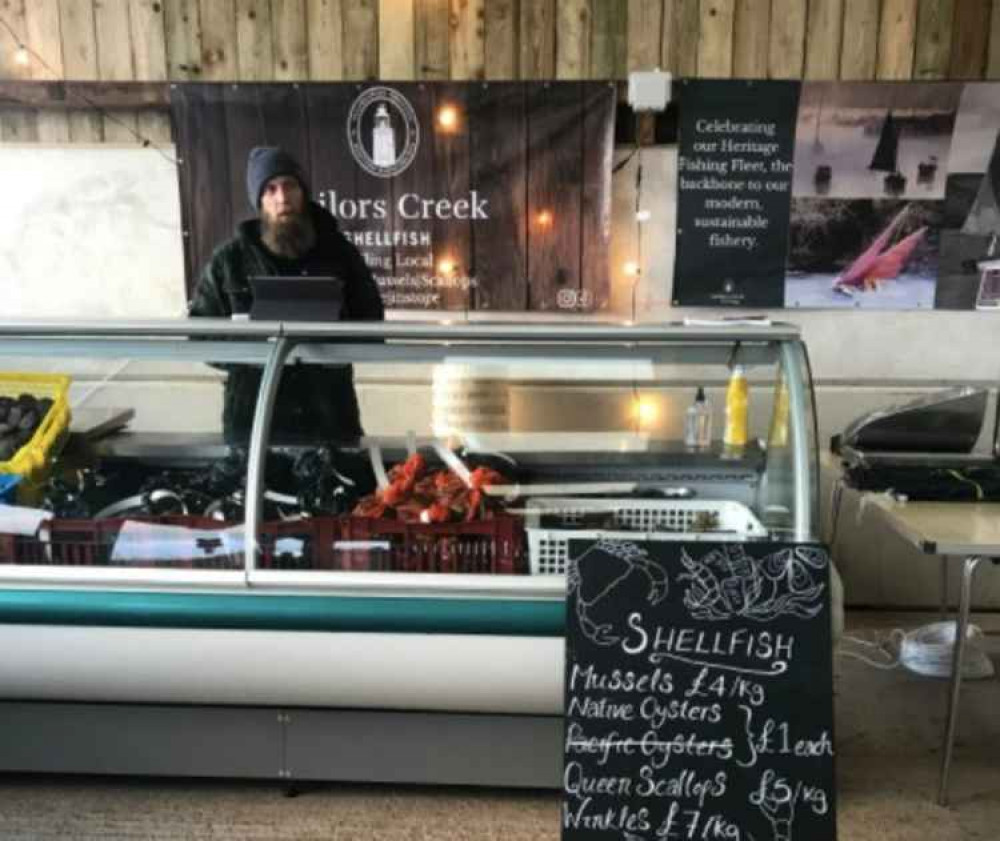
[{"x": 684, "y": 724}]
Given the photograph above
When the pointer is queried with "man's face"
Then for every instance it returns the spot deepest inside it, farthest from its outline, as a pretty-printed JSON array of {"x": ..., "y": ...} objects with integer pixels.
[{"x": 282, "y": 200}]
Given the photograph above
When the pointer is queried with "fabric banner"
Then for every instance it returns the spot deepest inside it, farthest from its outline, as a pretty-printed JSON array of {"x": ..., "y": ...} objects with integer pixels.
[
  {"x": 733, "y": 186},
  {"x": 460, "y": 196},
  {"x": 894, "y": 195}
]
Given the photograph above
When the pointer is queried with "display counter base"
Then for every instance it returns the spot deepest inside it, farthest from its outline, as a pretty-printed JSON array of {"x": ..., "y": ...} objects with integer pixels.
[{"x": 283, "y": 744}]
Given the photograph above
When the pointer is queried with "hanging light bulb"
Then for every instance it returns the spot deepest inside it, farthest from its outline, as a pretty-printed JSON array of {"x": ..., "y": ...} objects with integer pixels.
[
  {"x": 448, "y": 117},
  {"x": 21, "y": 57},
  {"x": 631, "y": 268},
  {"x": 645, "y": 411},
  {"x": 544, "y": 219},
  {"x": 642, "y": 215},
  {"x": 446, "y": 266}
]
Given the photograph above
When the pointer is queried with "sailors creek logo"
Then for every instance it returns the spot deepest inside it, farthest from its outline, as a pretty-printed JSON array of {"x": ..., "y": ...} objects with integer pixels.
[{"x": 383, "y": 132}]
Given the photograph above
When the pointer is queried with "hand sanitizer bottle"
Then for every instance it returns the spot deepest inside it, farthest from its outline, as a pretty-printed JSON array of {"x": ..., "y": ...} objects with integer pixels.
[{"x": 698, "y": 423}]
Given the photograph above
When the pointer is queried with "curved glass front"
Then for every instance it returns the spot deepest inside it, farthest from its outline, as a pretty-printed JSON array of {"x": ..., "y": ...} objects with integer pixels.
[{"x": 412, "y": 462}]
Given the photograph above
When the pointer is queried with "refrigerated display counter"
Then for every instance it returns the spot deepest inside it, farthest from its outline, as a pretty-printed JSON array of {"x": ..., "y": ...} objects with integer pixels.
[{"x": 389, "y": 608}]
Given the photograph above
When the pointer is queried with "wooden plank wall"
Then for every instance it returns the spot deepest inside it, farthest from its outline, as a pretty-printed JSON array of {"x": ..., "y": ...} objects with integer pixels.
[{"x": 291, "y": 40}]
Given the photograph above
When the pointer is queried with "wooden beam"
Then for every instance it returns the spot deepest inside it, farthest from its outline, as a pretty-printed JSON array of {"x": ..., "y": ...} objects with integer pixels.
[
  {"x": 645, "y": 34},
  {"x": 859, "y": 53},
  {"x": 45, "y": 38},
  {"x": 681, "y": 36},
  {"x": 150, "y": 50},
  {"x": 751, "y": 31},
  {"x": 823, "y": 39},
  {"x": 715, "y": 38},
  {"x": 608, "y": 40},
  {"x": 182, "y": 28},
  {"x": 993, "y": 62},
  {"x": 83, "y": 96},
  {"x": 467, "y": 40},
  {"x": 787, "y": 43},
  {"x": 502, "y": 56},
  {"x": 896, "y": 37},
  {"x": 219, "y": 59},
  {"x": 432, "y": 48},
  {"x": 291, "y": 49},
  {"x": 538, "y": 39},
  {"x": 115, "y": 63},
  {"x": 361, "y": 33},
  {"x": 396, "y": 40},
  {"x": 254, "y": 41},
  {"x": 573, "y": 24},
  {"x": 79, "y": 40},
  {"x": 17, "y": 125},
  {"x": 932, "y": 51},
  {"x": 970, "y": 34},
  {"x": 325, "y": 32}
]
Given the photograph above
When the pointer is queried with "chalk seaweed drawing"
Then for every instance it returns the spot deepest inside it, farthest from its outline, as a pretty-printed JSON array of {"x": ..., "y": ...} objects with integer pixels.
[
  {"x": 622, "y": 559},
  {"x": 728, "y": 582}
]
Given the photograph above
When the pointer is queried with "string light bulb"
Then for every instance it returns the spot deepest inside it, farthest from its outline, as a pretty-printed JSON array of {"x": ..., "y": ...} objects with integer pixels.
[
  {"x": 642, "y": 215},
  {"x": 448, "y": 117},
  {"x": 446, "y": 266},
  {"x": 544, "y": 219},
  {"x": 631, "y": 268},
  {"x": 645, "y": 411},
  {"x": 21, "y": 57}
]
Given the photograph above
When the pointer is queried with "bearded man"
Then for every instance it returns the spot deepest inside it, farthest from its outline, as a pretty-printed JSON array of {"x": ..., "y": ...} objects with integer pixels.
[{"x": 292, "y": 236}]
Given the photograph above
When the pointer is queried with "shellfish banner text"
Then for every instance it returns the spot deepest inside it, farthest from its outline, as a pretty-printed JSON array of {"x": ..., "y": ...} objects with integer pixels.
[{"x": 459, "y": 196}]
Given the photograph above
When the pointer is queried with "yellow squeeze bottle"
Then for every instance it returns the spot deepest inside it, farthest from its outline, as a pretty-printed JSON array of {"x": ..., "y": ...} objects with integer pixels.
[{"x": 737, "y": 399}]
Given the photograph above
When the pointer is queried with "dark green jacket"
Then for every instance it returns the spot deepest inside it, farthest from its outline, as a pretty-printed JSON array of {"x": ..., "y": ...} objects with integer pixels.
[{"x": 314, "y": 402}]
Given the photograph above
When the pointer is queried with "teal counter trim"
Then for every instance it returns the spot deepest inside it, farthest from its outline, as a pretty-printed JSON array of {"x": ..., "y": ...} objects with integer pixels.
[{"x": 283, "y": 612}]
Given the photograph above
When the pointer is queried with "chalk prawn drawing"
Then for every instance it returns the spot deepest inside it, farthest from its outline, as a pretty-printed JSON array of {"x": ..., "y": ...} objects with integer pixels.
[
  {"x": 727, "y": 582},
  {"x": 606, "y": 572}
]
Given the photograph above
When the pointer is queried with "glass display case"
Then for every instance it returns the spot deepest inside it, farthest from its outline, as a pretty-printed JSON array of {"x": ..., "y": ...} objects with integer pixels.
[{"x": 407, "y": 582}]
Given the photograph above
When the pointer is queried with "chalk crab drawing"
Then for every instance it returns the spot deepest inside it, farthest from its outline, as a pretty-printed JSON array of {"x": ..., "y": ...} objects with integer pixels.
[
  {"x": 728, "y": 582},
  {"x": 606, "y": 572}
]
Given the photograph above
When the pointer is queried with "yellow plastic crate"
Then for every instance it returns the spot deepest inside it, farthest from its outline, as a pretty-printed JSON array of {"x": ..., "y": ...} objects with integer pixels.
[{"x": 34, "y": 460}]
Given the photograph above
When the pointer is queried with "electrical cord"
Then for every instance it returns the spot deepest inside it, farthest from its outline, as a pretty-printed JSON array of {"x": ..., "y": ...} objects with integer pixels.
[
  {"x": 144, "y": 141},
  {"x": 637, "y": 151}
]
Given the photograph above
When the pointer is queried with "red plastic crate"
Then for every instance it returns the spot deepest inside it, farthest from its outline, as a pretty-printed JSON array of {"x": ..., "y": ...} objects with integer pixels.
[
  {"x": 79, "y": 542},
  {"x": 493, "y": 546}
]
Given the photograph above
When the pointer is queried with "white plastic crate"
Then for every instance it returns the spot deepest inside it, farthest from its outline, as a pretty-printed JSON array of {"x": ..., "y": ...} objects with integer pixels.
[{"x": 644, "y": 519}]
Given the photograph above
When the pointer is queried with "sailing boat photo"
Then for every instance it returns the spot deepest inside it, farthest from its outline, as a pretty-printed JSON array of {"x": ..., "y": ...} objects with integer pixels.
[
  {"x": 886, "y": 156},
  {"x": 873, "y": 140},
  {"x": 878, "y": 262}
]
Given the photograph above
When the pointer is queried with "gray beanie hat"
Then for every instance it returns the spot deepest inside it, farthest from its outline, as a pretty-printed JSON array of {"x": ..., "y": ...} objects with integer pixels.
[{"x": 266, "y": 162}]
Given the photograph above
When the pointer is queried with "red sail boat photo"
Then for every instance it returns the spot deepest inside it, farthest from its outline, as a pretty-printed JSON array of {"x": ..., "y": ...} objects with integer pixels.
[{"x": 879, "y": 262}]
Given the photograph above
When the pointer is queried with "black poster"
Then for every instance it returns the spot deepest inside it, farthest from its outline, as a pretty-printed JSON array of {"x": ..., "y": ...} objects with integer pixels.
[
  {"x": 734, "y": 181},
  {"x": 699, "y": 692},
  {"x": 459, "y": 196}
]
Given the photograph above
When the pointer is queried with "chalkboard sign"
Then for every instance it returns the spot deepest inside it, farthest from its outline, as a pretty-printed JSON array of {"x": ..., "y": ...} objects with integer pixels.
[
  {"x": 734, "y": 189},
  {"x": 699, "y": 692}
]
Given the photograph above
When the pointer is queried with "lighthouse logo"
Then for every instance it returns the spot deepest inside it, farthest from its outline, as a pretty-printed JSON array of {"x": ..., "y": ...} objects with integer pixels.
[{"x": 383, "y": 132}]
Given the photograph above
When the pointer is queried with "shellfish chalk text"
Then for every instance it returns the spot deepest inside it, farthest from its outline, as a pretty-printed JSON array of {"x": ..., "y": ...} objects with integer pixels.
[{"x": 708, "y": 648}]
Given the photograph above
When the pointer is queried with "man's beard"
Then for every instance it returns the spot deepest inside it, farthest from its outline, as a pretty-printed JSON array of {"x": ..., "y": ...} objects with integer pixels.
[{"x": 288, "y": 236}]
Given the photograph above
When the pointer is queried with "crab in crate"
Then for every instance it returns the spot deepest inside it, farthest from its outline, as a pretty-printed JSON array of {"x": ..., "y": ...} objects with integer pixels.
[
  {"x": 729, "y": 582},
  {"x": 610, "y": 563}
]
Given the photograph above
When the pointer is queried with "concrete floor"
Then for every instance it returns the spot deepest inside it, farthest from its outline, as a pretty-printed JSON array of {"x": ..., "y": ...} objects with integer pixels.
[{"x": 889, "y": 727}]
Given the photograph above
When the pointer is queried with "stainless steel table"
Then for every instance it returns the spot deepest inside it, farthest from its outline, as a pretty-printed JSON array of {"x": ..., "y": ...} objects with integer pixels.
[{"x": 953, "y": 530}]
